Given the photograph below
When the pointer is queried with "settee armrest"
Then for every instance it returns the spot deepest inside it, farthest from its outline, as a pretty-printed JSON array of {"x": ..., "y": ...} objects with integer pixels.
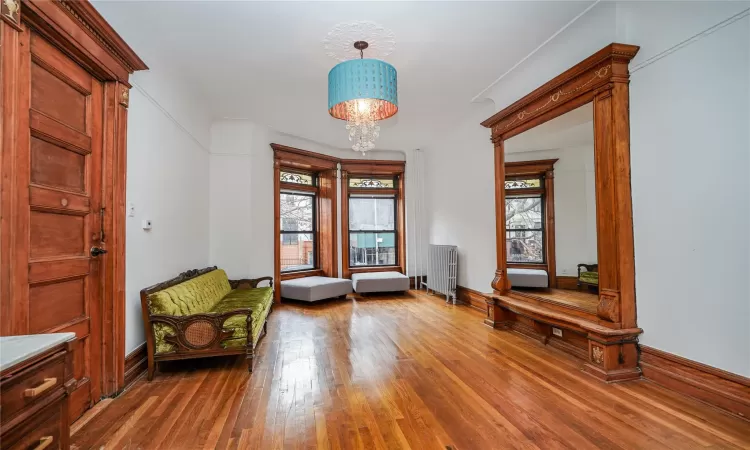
[
  {"x": 250, "y": 282},
  {"x": 203, "y": 331}
]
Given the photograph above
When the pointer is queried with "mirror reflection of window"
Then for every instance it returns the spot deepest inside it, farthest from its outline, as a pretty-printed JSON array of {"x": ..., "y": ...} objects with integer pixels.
[{"x": 553, "y": 161}]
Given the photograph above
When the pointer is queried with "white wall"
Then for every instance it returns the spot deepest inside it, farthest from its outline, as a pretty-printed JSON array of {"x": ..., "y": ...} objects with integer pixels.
[
  {"x": 690, "y": 154},
  {"x": 460, "y": 189},
  {"x": 689, "y": 122},
  {"x": 575, "y": 204},
  {"x": 167, "y": 182},
  {"x": 241, "y": 194}
]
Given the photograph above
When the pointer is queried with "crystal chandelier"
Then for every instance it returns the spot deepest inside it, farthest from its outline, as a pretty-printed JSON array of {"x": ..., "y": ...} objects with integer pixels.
[{"x": 362, "y": 92}]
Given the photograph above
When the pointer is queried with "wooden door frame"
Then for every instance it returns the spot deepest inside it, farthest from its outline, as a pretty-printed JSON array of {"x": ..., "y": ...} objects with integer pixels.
[{"x": 79, "y": 31}]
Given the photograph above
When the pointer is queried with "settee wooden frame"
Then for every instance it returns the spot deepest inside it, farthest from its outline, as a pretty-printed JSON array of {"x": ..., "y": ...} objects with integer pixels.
[{"x": 184, "y": 347}]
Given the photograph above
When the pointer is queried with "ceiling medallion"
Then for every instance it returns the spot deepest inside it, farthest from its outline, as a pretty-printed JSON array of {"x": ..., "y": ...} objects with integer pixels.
[
  {"x": 339, "y": 42},
  {"x": 362, "y": 92}
]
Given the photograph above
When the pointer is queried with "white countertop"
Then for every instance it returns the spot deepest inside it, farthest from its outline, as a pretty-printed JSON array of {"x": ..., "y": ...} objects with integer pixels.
[{"x": 16, "y": 349}]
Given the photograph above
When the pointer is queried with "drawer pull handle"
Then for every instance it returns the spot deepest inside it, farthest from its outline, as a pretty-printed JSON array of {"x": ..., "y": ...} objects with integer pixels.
[
  {"x": 44, "y": 442},
  {"x": 48, "y": 383}
]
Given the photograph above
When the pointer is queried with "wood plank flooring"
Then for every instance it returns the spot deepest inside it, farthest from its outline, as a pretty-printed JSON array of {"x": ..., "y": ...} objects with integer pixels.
[{"x": 399, "y": 372}]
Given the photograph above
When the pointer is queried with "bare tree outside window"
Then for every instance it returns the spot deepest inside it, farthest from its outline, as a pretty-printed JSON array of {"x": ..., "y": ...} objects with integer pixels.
[
  {"x": 525, "y": 243},
  {"x": 297, "y": 231}
]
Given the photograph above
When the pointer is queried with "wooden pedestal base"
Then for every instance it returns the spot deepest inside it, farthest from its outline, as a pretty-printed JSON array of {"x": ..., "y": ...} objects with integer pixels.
[{"x": 611, "y": 355}]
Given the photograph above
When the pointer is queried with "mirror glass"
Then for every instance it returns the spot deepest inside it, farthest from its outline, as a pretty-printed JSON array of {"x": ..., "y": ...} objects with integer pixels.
[{"x": 550, "y": 207}]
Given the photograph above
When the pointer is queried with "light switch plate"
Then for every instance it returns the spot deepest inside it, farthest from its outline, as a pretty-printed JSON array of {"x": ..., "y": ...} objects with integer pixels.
[{"x": 131, "y": 209}]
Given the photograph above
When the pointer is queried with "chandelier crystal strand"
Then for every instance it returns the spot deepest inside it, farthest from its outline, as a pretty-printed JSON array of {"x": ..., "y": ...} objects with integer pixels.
[{"x": 362, "y": 124}]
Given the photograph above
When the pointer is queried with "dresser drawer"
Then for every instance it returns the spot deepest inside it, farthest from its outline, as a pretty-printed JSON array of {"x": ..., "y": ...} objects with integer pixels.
[
  {"x": 33, "y": 384},
  {"x": 41, "y": 431}
]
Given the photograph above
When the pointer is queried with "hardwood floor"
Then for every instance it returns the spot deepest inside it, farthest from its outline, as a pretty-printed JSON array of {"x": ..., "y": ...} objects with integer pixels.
[{"x": 399, "y": 372}]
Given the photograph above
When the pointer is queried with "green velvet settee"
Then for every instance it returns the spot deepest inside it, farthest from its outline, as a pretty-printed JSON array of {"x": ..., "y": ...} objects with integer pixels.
[
  {"x": 202, "y": 313},
  {"x": 588, "y": 277}
]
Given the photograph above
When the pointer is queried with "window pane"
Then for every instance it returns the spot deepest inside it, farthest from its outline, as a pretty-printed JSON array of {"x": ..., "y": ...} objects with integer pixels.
[
  {"x": 296, "y": 212},
  {"x": 371, "y": 183},
  {"x": 523, "y": 212},
  {"x": 297, "y": 251},
  {"x": 372, "y": 213},
  {"x": 372, "y": 249},
  {"x": 523, "y": 184},
  {"x": 524, "y": 246},
  {"x": 298, "y": 178}
]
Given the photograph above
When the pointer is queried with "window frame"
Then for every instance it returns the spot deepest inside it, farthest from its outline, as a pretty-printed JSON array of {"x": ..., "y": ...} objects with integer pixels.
[
  {"x": 355, "y": 168},
  {"x": 375, "y": 194},
  {"x": 325, "y": 169},
  {"x": 544, "y": 170},
  {"x": 313, "y": 231}
]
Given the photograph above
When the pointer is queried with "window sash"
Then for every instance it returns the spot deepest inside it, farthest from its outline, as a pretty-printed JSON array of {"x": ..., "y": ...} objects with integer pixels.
[
  {"x": 359, "y": 253},
  {"x": 313, "y": 221},
  {"x": 300, "y": 263},
  {"x": 510, "y": 232},
  {"x": 380, "y": 229}
]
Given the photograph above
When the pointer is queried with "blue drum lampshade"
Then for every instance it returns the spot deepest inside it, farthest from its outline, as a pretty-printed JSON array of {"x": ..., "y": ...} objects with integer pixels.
[{"x": 362, "y": 83}]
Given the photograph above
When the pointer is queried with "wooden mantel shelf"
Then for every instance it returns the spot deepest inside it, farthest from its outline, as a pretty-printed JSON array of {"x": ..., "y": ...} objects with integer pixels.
[
  {"x": 563, "y": 319},
  {"x": 611, "y": 354}
]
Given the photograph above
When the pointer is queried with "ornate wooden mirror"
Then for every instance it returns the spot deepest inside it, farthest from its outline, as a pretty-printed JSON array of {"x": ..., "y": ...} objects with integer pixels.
[{"x": 604, "y": 333}]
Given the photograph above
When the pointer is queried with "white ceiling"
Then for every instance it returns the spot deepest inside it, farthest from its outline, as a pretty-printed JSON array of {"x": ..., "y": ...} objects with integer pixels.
[
  {"x": 265, "y": 61},
  {"x": 572, "y": 129}
]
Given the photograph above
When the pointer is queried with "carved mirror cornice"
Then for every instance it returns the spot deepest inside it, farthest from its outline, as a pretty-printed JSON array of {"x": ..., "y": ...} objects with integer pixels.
[{"x": 603, "y": 80}]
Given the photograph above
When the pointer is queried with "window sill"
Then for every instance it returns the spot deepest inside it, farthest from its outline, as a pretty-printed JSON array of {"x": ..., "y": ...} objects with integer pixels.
[
  {"x": 375, "y": 269},
  {"x": 527, "y": 265},
  {"x": 301, "y": 274}
]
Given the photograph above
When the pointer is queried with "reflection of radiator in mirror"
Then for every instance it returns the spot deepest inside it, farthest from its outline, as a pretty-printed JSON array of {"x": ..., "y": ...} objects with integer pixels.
[{"x": 442, "y": 268}]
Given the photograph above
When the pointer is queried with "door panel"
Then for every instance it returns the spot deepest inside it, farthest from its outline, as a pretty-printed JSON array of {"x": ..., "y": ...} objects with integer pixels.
[
  {"x": 55, "y": 166},
  {"x": 64, "y": 192}
]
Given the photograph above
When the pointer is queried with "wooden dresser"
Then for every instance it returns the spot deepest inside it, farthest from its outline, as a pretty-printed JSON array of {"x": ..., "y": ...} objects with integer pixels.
[{"x": 35, "y": 383}]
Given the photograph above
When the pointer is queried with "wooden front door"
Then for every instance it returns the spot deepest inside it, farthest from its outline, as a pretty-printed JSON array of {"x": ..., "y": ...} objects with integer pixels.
[{"x": 61, "y": 144}]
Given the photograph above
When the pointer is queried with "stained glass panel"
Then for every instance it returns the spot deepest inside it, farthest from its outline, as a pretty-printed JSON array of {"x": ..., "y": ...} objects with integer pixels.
[
  {"x": 532, "y": 183},
  {"x": 372, "y": 183},
  {"x": 297, "y": 178}
]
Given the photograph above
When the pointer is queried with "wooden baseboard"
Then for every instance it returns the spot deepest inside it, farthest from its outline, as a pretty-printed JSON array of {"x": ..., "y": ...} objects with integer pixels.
[
  {"x": 135, "y": 364},
  {"x": 716, "y": 387},
  {"x": 569, "y": 283},
  {"x": 472, "y": 298}
]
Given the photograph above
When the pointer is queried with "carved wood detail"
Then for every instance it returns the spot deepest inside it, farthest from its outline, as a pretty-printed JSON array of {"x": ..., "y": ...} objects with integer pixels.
[
  {"x": 124, "y": 96},
  {"x": 602, "y": 79},
  {"x": 10, "y": 11},
  {"x": 609, "y": 305},
  {"x": 212, "y": 336}
]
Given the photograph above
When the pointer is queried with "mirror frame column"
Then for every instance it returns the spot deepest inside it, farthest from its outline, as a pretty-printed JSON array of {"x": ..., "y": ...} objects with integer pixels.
[{"x": 612, "y": 333}]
